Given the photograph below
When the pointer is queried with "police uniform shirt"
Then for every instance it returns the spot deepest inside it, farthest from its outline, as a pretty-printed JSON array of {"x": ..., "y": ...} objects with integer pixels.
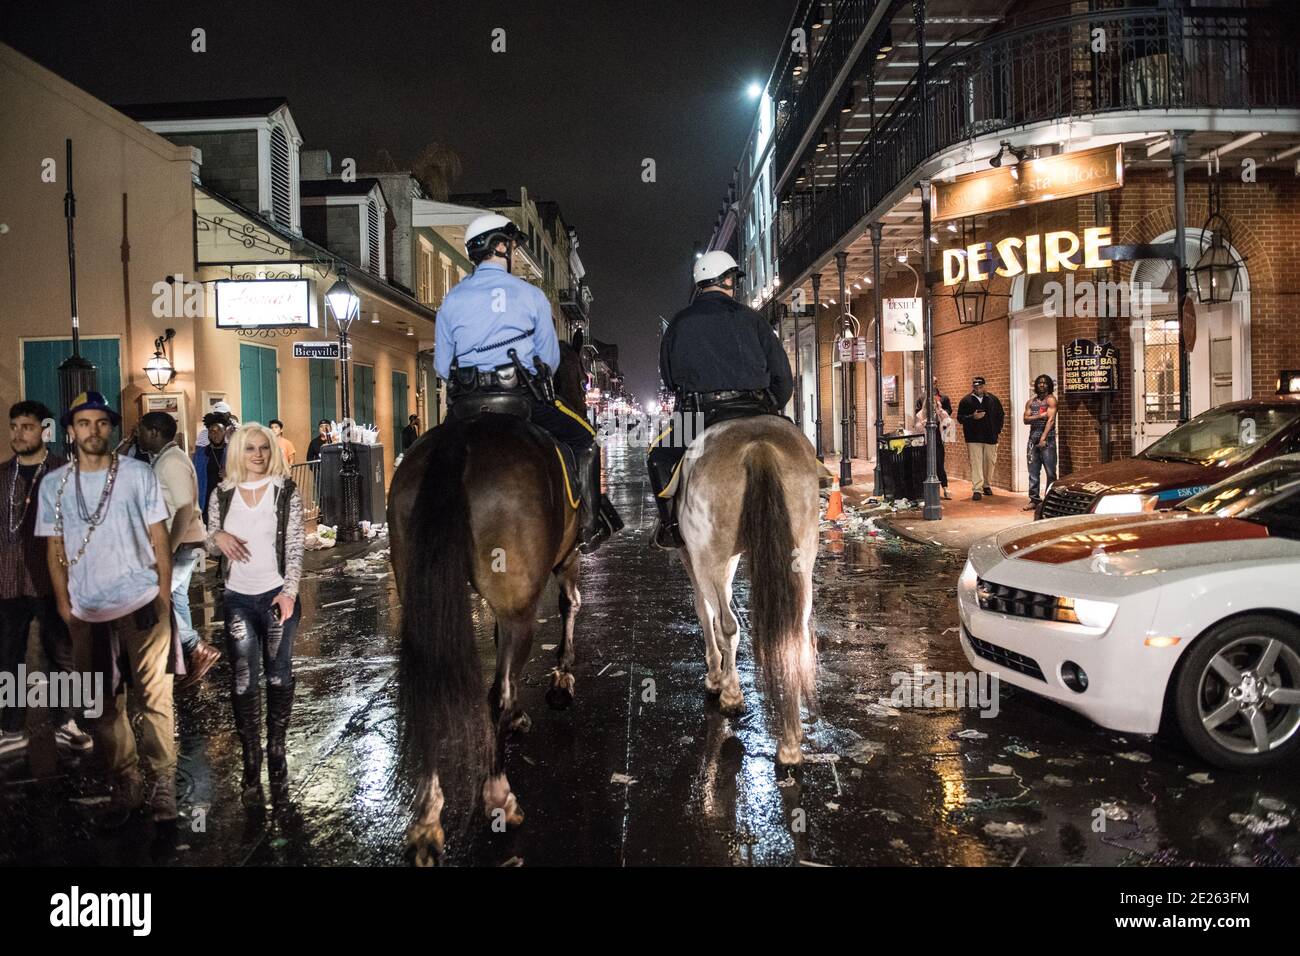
[
  {"x": 717, "y": 344},
  {"x": 488, "y": 313}
]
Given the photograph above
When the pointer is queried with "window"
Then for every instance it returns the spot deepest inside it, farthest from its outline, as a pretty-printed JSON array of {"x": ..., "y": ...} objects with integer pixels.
[
  {"x": 424, "y": 283},
  {"x": 281, "y": 188},
  {"x": 446, "y": 276},
  {"x": 373, "y": 263}
]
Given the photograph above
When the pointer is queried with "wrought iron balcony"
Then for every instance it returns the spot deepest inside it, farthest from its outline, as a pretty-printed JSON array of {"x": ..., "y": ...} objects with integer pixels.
[{"x": 1154, "y": 60}]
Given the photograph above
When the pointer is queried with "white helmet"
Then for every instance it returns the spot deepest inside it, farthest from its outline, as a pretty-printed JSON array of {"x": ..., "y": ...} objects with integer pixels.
[
  {"x": 713, "y": 266},
  {"x": 486, "y": 230}
]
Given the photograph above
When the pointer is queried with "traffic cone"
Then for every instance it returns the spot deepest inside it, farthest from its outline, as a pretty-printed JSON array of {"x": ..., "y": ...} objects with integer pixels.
[{"x": 835, "y": 506}]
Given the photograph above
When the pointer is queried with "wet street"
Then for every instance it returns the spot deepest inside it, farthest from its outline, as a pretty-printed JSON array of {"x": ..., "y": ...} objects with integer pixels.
[{"x": 643, "y": 769}]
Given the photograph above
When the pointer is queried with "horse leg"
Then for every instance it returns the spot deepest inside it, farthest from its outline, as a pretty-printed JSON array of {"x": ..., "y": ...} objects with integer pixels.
[
  {"x": 516, "y": 641},
  {"x": 712, "y": 655},
  {"x": 732, "y": 701},
  {"x": 789, "y": 751},
  {"x": 425, "y": 838},
  {"x": 560, "y": 695}
]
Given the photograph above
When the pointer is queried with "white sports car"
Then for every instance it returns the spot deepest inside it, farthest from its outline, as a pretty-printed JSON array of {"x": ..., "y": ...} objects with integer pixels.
[{"x": 1190, "y": 615}]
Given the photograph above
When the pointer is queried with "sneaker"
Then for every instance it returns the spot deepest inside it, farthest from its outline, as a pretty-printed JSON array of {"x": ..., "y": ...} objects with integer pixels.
[
  {"x": 73, "y": 737},
  {"x": 12, "y": 743}
]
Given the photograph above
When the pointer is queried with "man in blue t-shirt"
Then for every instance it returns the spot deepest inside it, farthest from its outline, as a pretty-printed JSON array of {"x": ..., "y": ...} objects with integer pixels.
[{"x": 106, "y": 521}]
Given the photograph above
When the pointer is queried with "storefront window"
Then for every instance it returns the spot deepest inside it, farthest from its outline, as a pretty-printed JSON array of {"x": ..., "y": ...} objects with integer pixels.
[{"x": 1160, "y": 367}]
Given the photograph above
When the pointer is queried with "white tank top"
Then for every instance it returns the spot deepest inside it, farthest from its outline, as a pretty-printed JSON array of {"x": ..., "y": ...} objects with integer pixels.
[{"x": 256, "y": 526}]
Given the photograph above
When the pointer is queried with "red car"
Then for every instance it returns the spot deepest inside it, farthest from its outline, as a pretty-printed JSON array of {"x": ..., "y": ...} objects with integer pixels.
[{"x": 1211, "y": 447}]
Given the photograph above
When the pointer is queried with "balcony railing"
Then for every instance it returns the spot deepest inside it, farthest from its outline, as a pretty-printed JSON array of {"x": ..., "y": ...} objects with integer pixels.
[{"x": 1153, "y": 60}]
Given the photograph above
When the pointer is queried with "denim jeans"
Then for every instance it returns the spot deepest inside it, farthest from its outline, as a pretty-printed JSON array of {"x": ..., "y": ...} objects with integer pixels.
[
  {"x": 184, "y": 561},
  {"x": 254, "y": 641},
  {"x": 1041, "y": 458}
]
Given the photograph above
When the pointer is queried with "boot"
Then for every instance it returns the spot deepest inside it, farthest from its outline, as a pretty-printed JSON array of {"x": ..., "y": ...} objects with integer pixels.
[
  {"x": 666, "y": 534},
  {"x": 248, "y": 722},
  {"x": 597, "y": 525},
  {"x": 162, "y": 801},
  {"x": 126, "y": 798},
  {"x": 279, "y": 705}
]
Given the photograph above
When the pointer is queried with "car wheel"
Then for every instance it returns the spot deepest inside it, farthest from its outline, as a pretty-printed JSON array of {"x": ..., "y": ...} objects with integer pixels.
[{"x": 1237, "y": 693}]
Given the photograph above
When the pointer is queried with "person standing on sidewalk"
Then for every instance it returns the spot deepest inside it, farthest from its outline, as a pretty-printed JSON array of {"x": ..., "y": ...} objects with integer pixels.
[
  {"x": 286, "y": 447},
  {"x": 106, "y": 522},
  {"x": 410, "y": 433},
  {"x": 1040, "y": 416},
  {"x": 210, "y": 458},
  {"x": 322, "y": 438},
  {"x": 156, "y": 434},
  {"x": 981, "y": 417},
  {"x": 255, "y": 527},
  {"x": 944, "y": 430},
  {"x": 26, "y": 591}
]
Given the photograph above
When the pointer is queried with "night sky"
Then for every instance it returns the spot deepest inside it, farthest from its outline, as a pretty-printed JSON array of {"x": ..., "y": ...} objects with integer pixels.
[{"x": 583, "y": 94}]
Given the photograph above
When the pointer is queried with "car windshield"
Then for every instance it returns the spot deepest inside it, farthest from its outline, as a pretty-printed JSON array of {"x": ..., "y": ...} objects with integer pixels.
[
  {"x": 1223, "y": 436},
  {"x": 1268, "y": 493}
]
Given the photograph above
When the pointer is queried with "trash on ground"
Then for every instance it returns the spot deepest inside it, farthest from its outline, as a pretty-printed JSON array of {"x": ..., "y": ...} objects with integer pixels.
[
  {"x": 1136, "y": 756},
  {"x": 1200, "y": 777},
  {"x": 1114, "y": 810},
  {"x": 1001, "y": 768},
  {"x": 1010, "y": 830},
  {"x": 1259, "y": 825},
  {"x": 1052, "y": 780},
  {"x": 623, "y": 779},
  {"x": 969, "y": 734}
]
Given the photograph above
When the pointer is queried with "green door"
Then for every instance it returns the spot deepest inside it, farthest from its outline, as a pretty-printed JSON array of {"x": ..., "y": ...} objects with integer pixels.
[
  {"x": 323, "y": 375},
  {"x": 41, "y": 361},
  {"x": 363, "y": 394},
  {"x": 399, "y": 411},
  {"x": 259, "y": 393}
]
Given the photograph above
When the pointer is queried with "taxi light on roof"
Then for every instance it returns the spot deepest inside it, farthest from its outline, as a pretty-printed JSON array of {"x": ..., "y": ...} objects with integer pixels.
[{"x": 1161, "y": 641}]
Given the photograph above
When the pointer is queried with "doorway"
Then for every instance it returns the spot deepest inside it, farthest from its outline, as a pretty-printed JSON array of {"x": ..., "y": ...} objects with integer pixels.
[
  {"x": 1031, "y": 338},
  {"x": 259, "y": 387}
]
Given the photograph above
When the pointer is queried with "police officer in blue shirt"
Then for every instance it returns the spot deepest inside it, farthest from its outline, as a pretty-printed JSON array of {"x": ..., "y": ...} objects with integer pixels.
[{"x": 491, "y": 312}]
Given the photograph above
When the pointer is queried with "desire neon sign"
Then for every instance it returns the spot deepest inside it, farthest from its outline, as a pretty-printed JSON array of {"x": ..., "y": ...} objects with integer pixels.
[{"x": 1030, "y": 255}]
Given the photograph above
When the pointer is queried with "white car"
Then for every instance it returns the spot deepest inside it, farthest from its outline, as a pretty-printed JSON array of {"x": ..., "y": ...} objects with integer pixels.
[{"x": 1190, "y": 616}]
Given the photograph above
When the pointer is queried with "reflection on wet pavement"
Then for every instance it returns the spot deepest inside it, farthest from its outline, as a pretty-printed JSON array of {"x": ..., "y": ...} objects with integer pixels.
[{"x": 642, "y": 769}]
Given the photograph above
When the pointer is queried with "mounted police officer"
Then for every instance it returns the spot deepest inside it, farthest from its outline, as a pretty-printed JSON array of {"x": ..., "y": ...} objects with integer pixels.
[
  {"x": 483, "y": 320},
  {"x": 722, "y": 360}
]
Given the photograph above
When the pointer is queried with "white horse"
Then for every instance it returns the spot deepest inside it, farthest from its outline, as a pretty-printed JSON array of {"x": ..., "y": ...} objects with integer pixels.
[{"x": 749, "y": 486}]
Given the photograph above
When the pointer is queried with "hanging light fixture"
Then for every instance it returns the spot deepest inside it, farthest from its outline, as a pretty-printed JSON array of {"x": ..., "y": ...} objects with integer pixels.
[
  {"x": 971, "y": 298},
  {"x": 342, "y": 301},
  {"x": 1217, "y": 272},
  {"x": 159, "y": 369}
]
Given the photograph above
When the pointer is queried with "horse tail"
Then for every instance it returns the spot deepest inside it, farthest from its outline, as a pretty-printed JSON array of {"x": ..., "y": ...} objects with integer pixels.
[
  {"x": 443, "y": 725},
  {"x": 786, "y": 659}
]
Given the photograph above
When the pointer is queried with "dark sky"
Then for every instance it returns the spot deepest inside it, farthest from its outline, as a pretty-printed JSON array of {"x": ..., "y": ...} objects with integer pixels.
[{"x": 583, "y": 94}]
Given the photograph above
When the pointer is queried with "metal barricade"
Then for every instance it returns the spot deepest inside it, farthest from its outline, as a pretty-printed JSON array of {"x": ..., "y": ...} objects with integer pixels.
[{"x": 305, "y": 476}]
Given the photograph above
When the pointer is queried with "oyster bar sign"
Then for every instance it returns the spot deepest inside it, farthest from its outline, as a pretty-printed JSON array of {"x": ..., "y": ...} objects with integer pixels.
[{"x": 264, "y": 303}]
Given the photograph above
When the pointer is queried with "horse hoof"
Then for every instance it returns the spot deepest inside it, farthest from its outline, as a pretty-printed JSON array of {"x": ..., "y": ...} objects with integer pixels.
[
  {"x": 560, "y": 695},
  {"x": 521, "y": 724},
  {"x": 730, "y": 706},
  {"x": 713, "y": 685},
  {"x": 425, "y": 844},
  {"x": 790, "y": 758},
  {"x": 500, "y": 804}
]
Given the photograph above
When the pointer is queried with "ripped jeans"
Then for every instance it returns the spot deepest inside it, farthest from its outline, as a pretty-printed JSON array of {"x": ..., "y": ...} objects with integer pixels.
[{"x": 254, "y": 640}]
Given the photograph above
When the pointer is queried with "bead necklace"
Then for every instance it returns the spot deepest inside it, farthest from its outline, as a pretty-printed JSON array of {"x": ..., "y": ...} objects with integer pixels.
[
  {"x": 13, "y": 486},
  {"x": 92, "y": 521}
]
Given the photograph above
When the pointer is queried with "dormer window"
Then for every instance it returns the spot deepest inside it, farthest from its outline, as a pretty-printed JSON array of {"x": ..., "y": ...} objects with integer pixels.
[{"x": 281, "y": 178}]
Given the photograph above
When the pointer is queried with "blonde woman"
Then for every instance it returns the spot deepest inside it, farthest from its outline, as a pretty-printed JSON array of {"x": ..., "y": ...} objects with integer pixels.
[{"x": 255, "y": 527}]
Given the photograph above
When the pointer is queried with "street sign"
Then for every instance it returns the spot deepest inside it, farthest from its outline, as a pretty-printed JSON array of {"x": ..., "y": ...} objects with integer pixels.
[
  {"x": 902, "y": 325},
  {"x": 853, "y": 350},
  {"x": 316, "y": 350}
]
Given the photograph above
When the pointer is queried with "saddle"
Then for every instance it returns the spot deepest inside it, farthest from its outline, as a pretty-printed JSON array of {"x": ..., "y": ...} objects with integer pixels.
[{"x": 719, "y": 407}]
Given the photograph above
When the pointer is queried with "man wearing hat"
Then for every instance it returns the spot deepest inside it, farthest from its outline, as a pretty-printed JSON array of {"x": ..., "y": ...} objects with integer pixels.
[
  {"x": 981, "y": 417},
  {"x": 106, "y": 521}
]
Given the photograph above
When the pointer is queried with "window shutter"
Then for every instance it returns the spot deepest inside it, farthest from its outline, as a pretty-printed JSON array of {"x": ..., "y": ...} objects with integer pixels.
[
  {"x": 281, "y": 200},
  {"x": 372, "y": 224}
]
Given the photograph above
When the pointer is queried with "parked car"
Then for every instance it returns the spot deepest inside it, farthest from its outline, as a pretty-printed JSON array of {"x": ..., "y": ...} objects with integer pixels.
[
  {"x": 1212, "y": 446},
  {"x": 1190, "y": 617}
]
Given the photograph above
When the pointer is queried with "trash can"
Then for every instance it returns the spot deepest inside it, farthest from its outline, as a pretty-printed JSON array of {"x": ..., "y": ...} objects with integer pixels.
[
  {"x": 370, "y": 462},
  {"x": 902, "y": 466}
]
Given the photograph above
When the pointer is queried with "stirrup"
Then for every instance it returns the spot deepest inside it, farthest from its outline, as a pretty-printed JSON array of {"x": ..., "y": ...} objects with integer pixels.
[{"x": 668, "y": 536}]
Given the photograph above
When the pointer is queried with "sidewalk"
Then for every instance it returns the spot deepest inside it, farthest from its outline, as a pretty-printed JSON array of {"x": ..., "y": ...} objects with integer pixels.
[{"x": 963, "y": 522}]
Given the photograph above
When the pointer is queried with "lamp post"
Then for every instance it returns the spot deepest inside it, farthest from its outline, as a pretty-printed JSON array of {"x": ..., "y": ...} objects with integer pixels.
[
  {"x": 343, "y": 304},
  {"x": 77, "y": 374},
  {"x": 846, "y": 332}
]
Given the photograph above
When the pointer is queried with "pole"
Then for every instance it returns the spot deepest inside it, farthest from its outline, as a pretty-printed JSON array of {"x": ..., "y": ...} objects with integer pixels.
[
  {"x": 349, "y": 528},
  {"x": 933, "y": 510},
  {"x": 76, "y": 374},
  {"x": 879, "y": 486},
  {"x": 1178, "y": 152},
  {"x": 798, "y": 377},
  {"x": 846, "y": 463},
  {"x": 817, "y": 364}
]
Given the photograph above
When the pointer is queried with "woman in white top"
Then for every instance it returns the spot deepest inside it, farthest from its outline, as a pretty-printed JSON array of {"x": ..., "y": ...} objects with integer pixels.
[
  {"x": 945, "y": 429},
  {"x": 255, "y": 525}
]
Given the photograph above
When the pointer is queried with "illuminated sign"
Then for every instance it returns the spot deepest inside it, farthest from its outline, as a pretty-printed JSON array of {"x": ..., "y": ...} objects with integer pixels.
[
  {"x": 1033, "y": 181},
  {"x": 1029, "y": 255},
  {"x": 264, "y": 303}
]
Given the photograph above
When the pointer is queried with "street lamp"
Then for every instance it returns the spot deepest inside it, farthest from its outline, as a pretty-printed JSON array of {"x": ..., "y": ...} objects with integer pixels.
[
  {"x": 344, "y": 304},
  {"x": 1217, "y": 272},
  {"x": 159, "y": 369}
]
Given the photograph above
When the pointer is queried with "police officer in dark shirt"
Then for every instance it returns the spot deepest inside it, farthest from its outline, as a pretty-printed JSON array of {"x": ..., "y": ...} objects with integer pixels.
[{"x": 716, "y": 353}]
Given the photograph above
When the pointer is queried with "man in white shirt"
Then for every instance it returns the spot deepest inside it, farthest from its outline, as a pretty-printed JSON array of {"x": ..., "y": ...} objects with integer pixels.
[{"x": 106, "y": 522}]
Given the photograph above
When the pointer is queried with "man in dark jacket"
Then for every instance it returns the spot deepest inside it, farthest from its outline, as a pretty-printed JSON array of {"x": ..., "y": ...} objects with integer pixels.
[
  {"x": 410, "y": 433},
  {"x": 715, "y": 352},
  {"x": 210, "y": 459},
  {"x": 981, "y": 417}
]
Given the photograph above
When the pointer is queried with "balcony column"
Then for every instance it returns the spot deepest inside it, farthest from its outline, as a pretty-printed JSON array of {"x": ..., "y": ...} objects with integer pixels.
[
  {"x": 798, "y": 378},
  {"x": 878, "y": 487},
  {"x": 933, "y": 510},
  {"x": 1178, "y": 152},
  {"x": 846, "y": 463},
  {"x": 817, "y": 364}
]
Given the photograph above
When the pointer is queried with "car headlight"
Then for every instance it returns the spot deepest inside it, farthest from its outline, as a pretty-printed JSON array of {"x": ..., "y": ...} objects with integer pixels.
[
  {"x": 968, "y": 577},
  {"x": 1124, "y": 504},
  {"x": 1096, "y": 614}
]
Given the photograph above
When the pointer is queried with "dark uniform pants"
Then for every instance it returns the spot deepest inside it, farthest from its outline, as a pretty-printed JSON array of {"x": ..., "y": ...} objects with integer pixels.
[{"x": 565, "y": 424}]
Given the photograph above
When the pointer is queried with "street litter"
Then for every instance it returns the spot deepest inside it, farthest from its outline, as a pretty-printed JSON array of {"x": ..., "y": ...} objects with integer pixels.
[
  {"x": 1135, "y": 755},
  {"x": 969, "y": 734},
  {"x": 623, "y": 779},
  {"x": 1270, "y": 803},
  {"x": 1021, "y": 751},
  {"x": 323, "y": 537},
  {"x": 1114, "y": 811},
  {"x": 864, "y": 750},
  {"x": 1001, "y": 768},
  {"x": 339, "y": 603},
  {"x": 549, "y": 647},
  {"x": 881, "y": 709},
  {"x": 90, "y": 801},
  {"x": 832, "y": 806},
  {"x": 1064, "y": 761},
  {"x": 821, "y": 758},
  {"x": 1054, "y": 781},
  {"x": 1259, "y": 825},
  {"x": 1013, "y": 831},
  {"x": 1201, "y": 778},
  {"x": 619, "y": 674}
]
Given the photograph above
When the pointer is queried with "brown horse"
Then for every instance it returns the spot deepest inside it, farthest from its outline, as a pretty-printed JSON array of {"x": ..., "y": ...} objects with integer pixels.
[{"x": 482, "y": 503}]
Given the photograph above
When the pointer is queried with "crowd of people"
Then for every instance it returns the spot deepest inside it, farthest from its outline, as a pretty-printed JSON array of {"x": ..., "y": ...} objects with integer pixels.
[{"x": 99, "y": 550}]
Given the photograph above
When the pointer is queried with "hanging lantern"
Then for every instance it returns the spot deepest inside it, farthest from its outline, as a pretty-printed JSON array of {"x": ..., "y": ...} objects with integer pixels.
[
  {"x": 970, "y": 299},
  {"x": 159, "y": 369},
  {"x": 1217, "y": 272}
]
